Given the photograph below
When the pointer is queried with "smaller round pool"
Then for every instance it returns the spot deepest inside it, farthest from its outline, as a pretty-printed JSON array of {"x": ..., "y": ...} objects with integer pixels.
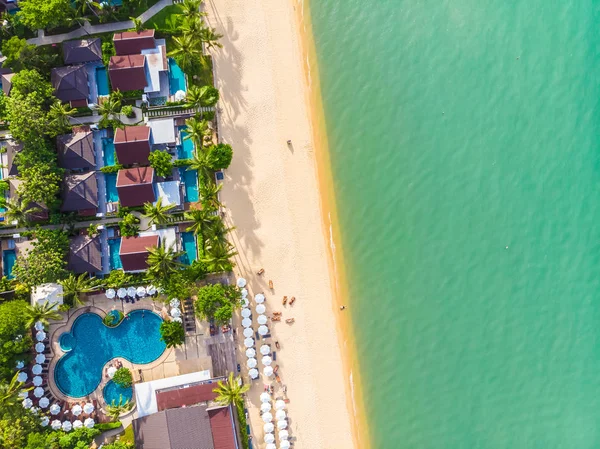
[
  {"x": 113, "y": 392},
  {"x": 67, "y": 342}
]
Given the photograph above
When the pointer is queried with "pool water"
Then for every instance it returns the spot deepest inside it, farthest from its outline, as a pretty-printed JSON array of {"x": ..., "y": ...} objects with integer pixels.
[
  {"x": 67, "y": 342},
  {"x": 188, "y": 241},
  {"x": 112, "y": 393},
  {"x": 114, "y": 245},
  {"x": 137, "y": 339},
  {"x": 102, "y": 81},
  {"x": 176, "y": 77},
  {"x": 9, "y": 257},
  {"x": 190, "y": 180},
  {"x": 112, "y": 195},
  {"x": 186, "y": 149},
  {"x": 108, "y": 151}
]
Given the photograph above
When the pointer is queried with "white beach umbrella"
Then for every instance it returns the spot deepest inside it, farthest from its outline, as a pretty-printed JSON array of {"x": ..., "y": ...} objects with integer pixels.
[
  {"x": 110, "y": 293},
  {"x": 246, "y": 313},
  {"x": 281, "y": 424},
  {"x": 259, "y": 298},
  {"x": 244, "y": 292},
  {"x": 38, "y": 392},
  {"x": 268, "y": 427},
  {"x": 280, "y": 405},
  {"x": 140, "y": 291},
  {"x": 179, "y": 95},
  {"x": 76, "y": 410},
  {"x": 77, "y": 424},
  {"x": 178, "y": 319},
  {"x": 268, "y": 371},
  {"x": 246, "y": 322},
  {"x": 35, "y": 410},
  {"x": 269, "y": 438},
  {"x": 253, "y": 373},
  {"x": 67, "y": 426},
  {"x": 40, "y": 358},
  {"x": 24, "y": 394},
  {"x": 39, "y": 326},
  {"x": 39, "y": 347},
  {"x": 151, "y": 290},
  {"x": 88, "y": 408},
  {"x": 249, "y": 342},
  {"x": 245, "y": 302},
  {"x": 22, "y": 376},
  {"x": 174, "y": 302},
  {"x": 250, "y": 352},
  {"x": 251, "y": 363},
  {"x": 262, "y": 319},
  {"x": 56, "y": 424},
  {"x": 241, "y": 282},
  {"x": 270, "y": 446},
  {"x": 44, "y": 421},
  {"x": 265, "y": 407},
  {"x": 284, "y": 444},
  {"x": 37, "y": 369},
  {"x": 260, "y": 308},
  {"x": 284, "y": 434},
  {"x": 267, "y": 417},
  {"x": 131, "y": 292},
  {"x": 265, "y": 349},
  {"x": 175, "y": 312},
  {"x": 40, "y": 335},
  {"x": 266, "y": 360},
  {"x": 37, "y": 381},
  {"x": 265, "y": 397},
  {"x": 54, "y": 409},
  {"x": 263, "y": 330},
  {"x": 27, "y": 403},
  {"x": 121, "y": 293},
  {"x": 89, "y": 423},
  {"x": 44, "y": 402},
  {"x": 280, "y": 414},
  {"x": 248, "y": 332},
  {"x": 21, "y": 363},
  {"x": 111, "y": 371}
]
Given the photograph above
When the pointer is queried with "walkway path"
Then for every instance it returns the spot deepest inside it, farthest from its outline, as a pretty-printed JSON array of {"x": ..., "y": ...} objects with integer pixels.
[
  {"x": 78, "y": 225},
  {"x": 88, "y": 29}
]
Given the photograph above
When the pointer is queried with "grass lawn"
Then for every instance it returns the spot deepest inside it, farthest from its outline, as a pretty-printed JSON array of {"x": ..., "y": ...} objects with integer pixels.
[
  {"x": 127, "y": 437},
  {"x": 166, "y": 20}
]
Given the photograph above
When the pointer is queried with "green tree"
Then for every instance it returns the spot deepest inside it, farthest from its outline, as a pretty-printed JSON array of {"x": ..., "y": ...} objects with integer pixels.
[
  {"x": 123, "y": 378},
  {"x": 172, "y": 333},
  {"x": 110, "y": 108},
  {"x": 157, "y": 213},
  {"x": 186, "y": 52},
  {"x": 218, "y": 258},
  {"x": 231, "y": 391},
  {"x": 163, "y": 261},
  {"x": 74, "y": 287},
  {"x": 202, "y": 164},
  {"x": 58, "y": 117},
  {"x": 138, "y": 25},
  {"x": 41, "y": 312},
  {"x": 9, "y": 392},
  {"x": 19, "y": 211},
  {"x": 162, "y": 162},
  {"x": 216, "y": 235},
  {"x": 201, "y": 96},
  {"x": 212, "y": 298},
  {"x": 118, "y": 278},
  {"x": 220, "y": 156},
  {"x": 45, "y": 261},
  {"x": 209, "y": 37},
  {"x": 116, "y": 409},
  {"x": 197, "y": 130},
  {"x": 129, "y": 225},
  {"x": 209, "y": 195},
  {"x": 15, "y": 337},
  {"x": 201, "y": 219},
  {"x": 18, "y": 53},
  {"x": 38, "y": 14},
  {"x": 191, "y": 8}
]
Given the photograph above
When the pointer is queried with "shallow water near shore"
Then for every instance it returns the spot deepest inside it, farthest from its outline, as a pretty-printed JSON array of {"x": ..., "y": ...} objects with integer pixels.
[{"x": 463, "y": 138}]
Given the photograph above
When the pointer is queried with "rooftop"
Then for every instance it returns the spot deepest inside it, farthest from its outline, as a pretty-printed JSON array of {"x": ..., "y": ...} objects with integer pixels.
[
  {"x": 80, "y": 192},
  {"x": 76, "y": 150},
  {"x": 132, "y": 42},
  {"x": 85, "y": 254},
  {"x": 163, "y": 130},
  {"x": 132, "y": 134},
  {"x": 135, "y": 176},
  {"x": 134, "y": 252},
  {"x": 70, "y": 83},
  {"x": 82, "y": 51}
]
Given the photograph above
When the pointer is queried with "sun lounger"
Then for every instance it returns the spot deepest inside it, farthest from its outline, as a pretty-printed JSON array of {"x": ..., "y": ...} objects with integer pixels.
[{"x": 274, "y": 355}]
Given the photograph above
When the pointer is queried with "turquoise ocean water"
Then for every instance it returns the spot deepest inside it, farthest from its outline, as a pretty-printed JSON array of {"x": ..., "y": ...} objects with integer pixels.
[{"x": 466, "y": 165}]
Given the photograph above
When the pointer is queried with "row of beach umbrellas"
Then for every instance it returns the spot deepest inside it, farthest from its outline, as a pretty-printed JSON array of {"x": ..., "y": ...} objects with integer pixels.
[
  {"x": 280, "y": 418},
  {"x": 175, "y": 310},
  {"x": 132, "y": 292},
  {"x": 67, "y": 426}
]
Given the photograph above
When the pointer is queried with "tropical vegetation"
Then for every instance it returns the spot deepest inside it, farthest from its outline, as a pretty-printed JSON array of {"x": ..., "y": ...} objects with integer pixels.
[
  {"x": 172, "y": 333},
  {"x": 43, "y": 312},
  {"x": 123, "y": 377},
  {"x": 217, "y": 302},
  {"x": 116, "y": 409},
  {"x": 15, "y": 336},
  {"x": 75, "y": 287},
  {"x": 157, "y": 213},
  {"x": 231, "y": 391}
]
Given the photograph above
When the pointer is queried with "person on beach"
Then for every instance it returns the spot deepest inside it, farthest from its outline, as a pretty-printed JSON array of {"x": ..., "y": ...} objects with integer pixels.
[{"x": 342, "y": 307}]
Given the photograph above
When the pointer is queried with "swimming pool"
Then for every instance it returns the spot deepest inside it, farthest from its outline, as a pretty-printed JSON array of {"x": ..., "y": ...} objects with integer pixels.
[
  {"x": 137, "y": 339},
  {"x": 113, "y": 393},
  {"x": 176, "y": 77},
  {"x": 186, "y": 149},
  {"x": 190, "y": 180},
  {"x": 188, "y": 241},
  {"x": 112, "y": 195},
  {"x": 114, "y": 245},
  {"x": 9, "y": 257},
  {"x": 108, "y": 151},
  {"x": 102, "y": 81}
]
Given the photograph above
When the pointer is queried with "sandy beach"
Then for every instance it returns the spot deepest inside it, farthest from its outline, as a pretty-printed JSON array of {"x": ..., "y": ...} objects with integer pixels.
[{"x": 271, "y": 193}]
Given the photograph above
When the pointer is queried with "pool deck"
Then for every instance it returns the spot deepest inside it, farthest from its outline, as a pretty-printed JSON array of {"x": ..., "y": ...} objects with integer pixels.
[{"x": 200, "y": 351}]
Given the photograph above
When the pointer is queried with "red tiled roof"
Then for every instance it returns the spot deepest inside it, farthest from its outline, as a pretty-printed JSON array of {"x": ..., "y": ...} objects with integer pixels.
[
  {"x": 221, "y": 426},
  {"x": 131, "y": 42},
  {"x": 127, "y": 72},
  {"x": 135, "y": 176},
  {"x": 132, "y": 145},
  {"x": 134, "y": 186},
  {"x": 179, "y": 397},
  {"x": 134, "y": 252}
]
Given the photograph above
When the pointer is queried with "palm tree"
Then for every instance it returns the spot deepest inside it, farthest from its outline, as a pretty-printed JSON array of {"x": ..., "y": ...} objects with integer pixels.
[
  {"x": 59, "y": 115},
  {"x": 209, "y": 192},
  {"x": 201, "y": 220},
  {"x": 216, "y": 235},
  {"x": 191, "y": 8},
  {"x": 19, "y": 211},
  {"x": 75, "y": 286},
  {"x": 231, "y": 391},
  {"x": 157, "y": 213},
  {"x": 186, "y": 51},
  {"x": 201, "y": 163},
  {"x": 42, "y": 312},
  {"x": 9, "y": 392},
  {"x": 110, "y": 108},
  {"x": 163, "y": 261},
  {"x": 138, "y": 25},
  {"x": 192, "y": 25},
  {"x": 116, "y": 409},
  {"x": 195, "y": 128},
  {"x": 217, "y": 257},
  {"x": 210, "y": 37},
  {"x": 199, "y": 96}
]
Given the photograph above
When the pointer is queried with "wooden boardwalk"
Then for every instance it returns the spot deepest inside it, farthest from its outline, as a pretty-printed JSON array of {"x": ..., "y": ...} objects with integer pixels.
[{"x": 221, "y": 348}]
